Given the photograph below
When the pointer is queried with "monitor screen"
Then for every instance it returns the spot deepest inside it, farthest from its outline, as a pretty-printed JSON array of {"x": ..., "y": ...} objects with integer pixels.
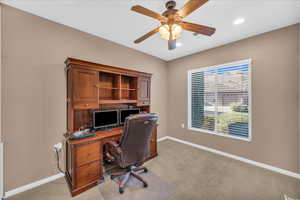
[
  {"x": 105, "y": 118},
  {"x": 126, "y": 112}
]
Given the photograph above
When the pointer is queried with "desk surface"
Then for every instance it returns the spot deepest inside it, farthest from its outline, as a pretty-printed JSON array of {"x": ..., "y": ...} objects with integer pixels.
[{"x": 99, "y": 135}]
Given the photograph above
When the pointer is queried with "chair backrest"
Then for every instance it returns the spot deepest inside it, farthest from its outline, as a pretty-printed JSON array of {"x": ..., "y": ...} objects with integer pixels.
[{"x": 136, "y": 138}]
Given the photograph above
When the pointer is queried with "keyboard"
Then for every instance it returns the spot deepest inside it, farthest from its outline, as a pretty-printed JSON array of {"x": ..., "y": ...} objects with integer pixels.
[{"x": 82, "y": 136}]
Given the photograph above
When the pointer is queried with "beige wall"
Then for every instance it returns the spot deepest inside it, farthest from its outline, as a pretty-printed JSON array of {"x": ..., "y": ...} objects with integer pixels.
[
  {"x": 34, "y": 95},
  {"x": 0, "y": 71},
  {"x": 299, "y": 92},
  {"x": 274, "y": 97},
  {"x": 1, "y": 145},
  {"x": 33, "y": 92}
]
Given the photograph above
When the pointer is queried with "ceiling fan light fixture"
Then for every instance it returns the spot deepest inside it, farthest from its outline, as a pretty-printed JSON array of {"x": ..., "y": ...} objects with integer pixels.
[{"x": 164, "y": 31}]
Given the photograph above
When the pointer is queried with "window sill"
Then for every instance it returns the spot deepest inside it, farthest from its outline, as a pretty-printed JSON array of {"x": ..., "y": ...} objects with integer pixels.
[{"x": 219, "y": 134}]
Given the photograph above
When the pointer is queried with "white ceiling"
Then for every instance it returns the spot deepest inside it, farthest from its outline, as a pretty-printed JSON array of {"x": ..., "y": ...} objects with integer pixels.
[{"x": 113, "y": 20}]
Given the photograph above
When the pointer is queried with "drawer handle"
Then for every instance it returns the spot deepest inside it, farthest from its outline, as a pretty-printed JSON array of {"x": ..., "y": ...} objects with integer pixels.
[
  {"x": 88, "y": 154},
  {"x": 86, "y": 105}
]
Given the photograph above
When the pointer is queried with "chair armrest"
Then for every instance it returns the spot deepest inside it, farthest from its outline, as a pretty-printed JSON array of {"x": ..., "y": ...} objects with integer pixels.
[
  {"x": 109, "y": 156},
  {"x": 113, "y": 145}
]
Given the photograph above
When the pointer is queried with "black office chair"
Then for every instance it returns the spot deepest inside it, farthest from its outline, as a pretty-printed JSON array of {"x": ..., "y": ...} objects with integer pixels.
[{"x": 133, "y": 148}]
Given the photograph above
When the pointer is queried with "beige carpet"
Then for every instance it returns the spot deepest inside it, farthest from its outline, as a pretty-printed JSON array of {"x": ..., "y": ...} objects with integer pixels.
[
  {"x": 195, "y": 174},
  {"x": 158, "y": 189}
]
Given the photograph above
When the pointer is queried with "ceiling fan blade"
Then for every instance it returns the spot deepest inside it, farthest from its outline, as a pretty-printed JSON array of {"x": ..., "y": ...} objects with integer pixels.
[
  {"x": 190, "y": 6},
  {"x": 171, "y": 44},
  {"x": 145, "y": 11},
  {"x": 144, "y": 37},
  {"x": 196, "y": 28}
]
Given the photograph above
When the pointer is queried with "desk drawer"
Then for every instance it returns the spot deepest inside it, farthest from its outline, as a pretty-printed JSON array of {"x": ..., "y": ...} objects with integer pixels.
[
  {"x": 87, "y": 153},
  {"x": 88, "y": 173}
]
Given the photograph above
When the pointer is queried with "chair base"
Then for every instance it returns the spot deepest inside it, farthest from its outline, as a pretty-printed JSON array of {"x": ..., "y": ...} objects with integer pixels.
[{"x": 130, "y": 172}]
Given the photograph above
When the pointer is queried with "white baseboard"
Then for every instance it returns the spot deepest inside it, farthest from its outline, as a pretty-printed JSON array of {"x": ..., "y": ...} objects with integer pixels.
[
  {"x": 162, "y": 138},
  {"x": 245, "y": 160},
  {"x": 33, "y": 185},
  {"x": 43, "y": 181},
  {"x": 1, "y": 170}
]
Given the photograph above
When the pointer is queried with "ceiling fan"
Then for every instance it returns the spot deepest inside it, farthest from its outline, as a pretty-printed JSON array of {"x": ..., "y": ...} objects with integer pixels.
[{"x": 171, "y": 21}]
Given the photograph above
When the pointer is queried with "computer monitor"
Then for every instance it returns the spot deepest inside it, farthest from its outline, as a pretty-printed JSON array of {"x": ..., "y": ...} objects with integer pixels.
[
  {"x": 126, "y": 112},
  {"x": 105, "y": 118}
]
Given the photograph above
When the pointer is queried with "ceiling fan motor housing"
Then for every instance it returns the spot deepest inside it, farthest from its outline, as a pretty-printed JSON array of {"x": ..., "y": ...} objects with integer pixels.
[
  {"x": 170, "y": 4},
  {"x": 171, "y": 13}
]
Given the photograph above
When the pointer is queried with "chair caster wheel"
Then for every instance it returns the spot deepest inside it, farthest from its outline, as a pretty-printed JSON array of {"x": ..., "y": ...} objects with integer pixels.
[
  {"x": 145, "y": 170},
  {"x": 121, "y": 190},
  {"x": 106, "y": 161},
  {"x": 145, "y": 185}
]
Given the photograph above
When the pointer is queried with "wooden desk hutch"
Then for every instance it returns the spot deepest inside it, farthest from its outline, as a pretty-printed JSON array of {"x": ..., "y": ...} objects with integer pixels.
[{"x": 91, "y": 87}]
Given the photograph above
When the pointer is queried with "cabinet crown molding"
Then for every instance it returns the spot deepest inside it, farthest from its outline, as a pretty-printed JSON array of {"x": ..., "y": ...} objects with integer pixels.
[{"x": 73, "y": 62}]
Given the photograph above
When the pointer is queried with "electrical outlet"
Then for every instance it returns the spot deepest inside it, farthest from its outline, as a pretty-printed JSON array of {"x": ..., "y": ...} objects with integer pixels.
[
  {"x": 57, "y": 147},
  {"x": 182, "y": 125}
]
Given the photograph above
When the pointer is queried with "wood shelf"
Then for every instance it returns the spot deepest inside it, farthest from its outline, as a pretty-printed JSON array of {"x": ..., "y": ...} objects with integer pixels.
[
  {"x": 116, "y": 101},
  {"x": 108, "y": 88},
  {"x": 128, "y": 89}
]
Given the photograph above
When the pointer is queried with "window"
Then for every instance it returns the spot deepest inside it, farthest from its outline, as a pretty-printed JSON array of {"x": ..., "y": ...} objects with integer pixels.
[{"x": 220, "y": 101}]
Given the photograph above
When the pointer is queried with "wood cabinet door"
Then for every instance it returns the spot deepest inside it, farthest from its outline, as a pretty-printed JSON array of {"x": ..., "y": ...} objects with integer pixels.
[
  {"x": 144, "y": 91},
  {"x": 85, "y": 90}
]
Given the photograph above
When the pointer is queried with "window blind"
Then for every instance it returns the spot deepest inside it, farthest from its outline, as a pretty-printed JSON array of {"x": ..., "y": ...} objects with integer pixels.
[{"x": 219, "y": 99}]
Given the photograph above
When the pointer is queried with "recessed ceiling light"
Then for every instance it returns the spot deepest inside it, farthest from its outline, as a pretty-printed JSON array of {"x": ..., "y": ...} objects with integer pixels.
[
  {"x": 239, "y": 21},
  {"x": 178, "y": 44}
]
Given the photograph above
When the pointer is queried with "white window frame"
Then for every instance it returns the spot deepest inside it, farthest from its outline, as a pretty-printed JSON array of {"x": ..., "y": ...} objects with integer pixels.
[{"x": 214, "y": 67}]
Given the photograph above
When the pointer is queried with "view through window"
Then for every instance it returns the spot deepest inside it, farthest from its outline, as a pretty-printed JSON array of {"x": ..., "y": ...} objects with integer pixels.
[{"x": 219, "y": 99}]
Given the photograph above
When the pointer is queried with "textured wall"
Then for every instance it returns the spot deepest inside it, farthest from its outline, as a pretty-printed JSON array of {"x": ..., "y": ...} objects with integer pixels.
[
  {"x": 275, "y": 97},
  {"x": 34, "y": 94}
]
